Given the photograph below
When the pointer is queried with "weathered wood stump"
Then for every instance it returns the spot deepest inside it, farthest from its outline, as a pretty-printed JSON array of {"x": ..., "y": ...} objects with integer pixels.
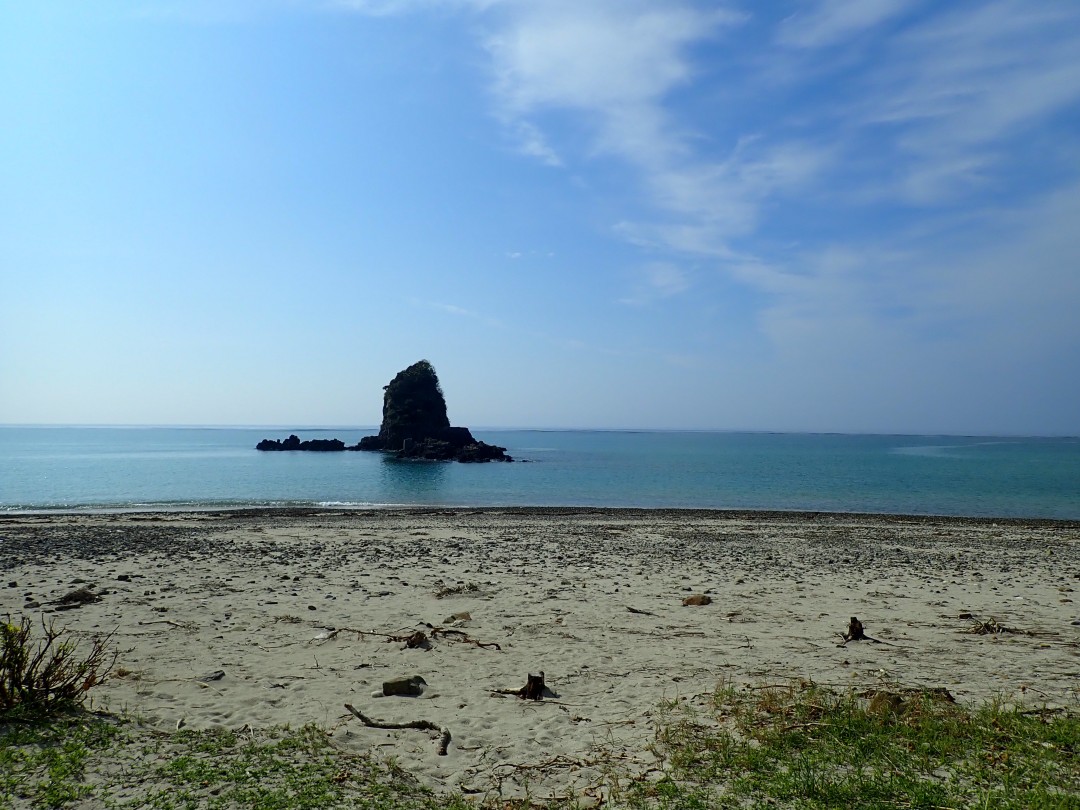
[
  {"x": 855, "y": 631},
  {"x": 417, "y": 641},
  {"x": 533, "y": 688}
]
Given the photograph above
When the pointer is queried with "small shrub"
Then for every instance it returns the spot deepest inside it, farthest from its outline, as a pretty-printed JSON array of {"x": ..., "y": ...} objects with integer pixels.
[{"x": 46, "y": 674}]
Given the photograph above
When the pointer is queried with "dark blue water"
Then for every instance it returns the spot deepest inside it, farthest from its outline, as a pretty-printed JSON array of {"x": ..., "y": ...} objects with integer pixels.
[{"x": 115, "y": 468}]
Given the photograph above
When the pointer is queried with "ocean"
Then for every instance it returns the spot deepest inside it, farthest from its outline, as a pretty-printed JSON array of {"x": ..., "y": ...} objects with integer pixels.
[{"x": 98, "y": 468}]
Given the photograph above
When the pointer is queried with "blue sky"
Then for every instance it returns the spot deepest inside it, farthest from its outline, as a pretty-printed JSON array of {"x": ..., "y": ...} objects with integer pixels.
[{"x": 792, "y": 215}]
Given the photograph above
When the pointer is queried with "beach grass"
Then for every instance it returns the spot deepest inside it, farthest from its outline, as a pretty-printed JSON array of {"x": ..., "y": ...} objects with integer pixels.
[
  {"x": 93, "y": 760},
  {"x": 800, "y": 745},
  {"x": 795, "y": 745}
]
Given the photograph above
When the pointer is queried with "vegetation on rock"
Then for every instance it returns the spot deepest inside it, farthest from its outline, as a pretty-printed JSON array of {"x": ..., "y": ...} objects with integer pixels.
[
  {"x": 413, "y": 407},
  {"x": 415, "y": 424}
]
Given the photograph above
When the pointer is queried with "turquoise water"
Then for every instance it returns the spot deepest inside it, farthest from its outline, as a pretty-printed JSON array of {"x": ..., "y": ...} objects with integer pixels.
[{"x": 46, "y": 468}]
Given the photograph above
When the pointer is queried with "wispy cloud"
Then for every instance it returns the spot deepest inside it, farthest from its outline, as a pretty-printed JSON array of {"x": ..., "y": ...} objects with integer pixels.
[
  {"x": 385, "y": 8},
  {"x": 656, "y": 281},
  {"x": 827, "y": 22},
  {"x": 953, "y": 91},
  {"x": 615, "y": 64},
  {"x": 936, "y": 119},
  {"x": 459, "y": 312}
]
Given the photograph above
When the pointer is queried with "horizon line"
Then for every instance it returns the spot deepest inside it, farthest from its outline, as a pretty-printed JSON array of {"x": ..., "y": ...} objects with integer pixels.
[{"x": 524, "y": 429}]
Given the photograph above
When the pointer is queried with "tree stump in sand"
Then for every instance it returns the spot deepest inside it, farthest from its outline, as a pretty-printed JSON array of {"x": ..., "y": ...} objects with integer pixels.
[
  {"x": 533, "y": 688},
  {"x": 855, "y": 631},
  {"x": 417, "y": 641}
]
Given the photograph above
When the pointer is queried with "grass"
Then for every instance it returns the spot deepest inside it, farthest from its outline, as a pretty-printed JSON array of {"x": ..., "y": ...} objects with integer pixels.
[
  {"x": 98, "y": 761},
  {"x": 43, "y": 758},
  {"x": 803, "y": 746},
  {"x": 796, "y": 746}
]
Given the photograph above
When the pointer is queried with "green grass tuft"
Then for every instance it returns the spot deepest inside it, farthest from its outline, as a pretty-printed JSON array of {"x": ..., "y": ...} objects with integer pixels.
[
  {"x": 799, "y": 746},
  {"x": 807, "y": 747}
]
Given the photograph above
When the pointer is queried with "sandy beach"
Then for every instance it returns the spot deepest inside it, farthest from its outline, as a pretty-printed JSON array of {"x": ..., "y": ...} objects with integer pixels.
[{"x": 266, "y": 618}]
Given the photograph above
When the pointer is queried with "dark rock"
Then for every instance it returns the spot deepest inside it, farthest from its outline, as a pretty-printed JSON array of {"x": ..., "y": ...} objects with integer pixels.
[
  {"x": 79, "y": 597},
  {"x": 216, "y": 675},
  {"x": 415, "y": 424},
  {"x": 294, "y": 443},
  {"x": 413, "y": 407},
  {"x": 406, "y": 687}
]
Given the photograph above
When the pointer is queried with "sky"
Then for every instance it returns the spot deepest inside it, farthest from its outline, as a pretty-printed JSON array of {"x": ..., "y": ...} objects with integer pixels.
[{"x": 790, "y": 215}]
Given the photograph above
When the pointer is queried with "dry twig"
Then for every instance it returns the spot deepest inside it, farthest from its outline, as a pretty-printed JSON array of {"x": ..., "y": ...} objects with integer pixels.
[{"x": 422, "y": 725}]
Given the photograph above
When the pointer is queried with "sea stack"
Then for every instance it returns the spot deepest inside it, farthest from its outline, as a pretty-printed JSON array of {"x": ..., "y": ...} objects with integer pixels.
[{"x": 415, "y": 424}]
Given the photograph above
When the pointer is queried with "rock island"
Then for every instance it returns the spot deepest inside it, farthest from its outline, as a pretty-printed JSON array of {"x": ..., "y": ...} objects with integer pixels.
[{"x": 414, "y": 425}]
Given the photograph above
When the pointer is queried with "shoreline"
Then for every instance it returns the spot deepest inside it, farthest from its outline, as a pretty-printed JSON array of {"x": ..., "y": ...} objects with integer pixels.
[
  {"x": 304, "y": 610},
  {"x": 256, "y": 512}
]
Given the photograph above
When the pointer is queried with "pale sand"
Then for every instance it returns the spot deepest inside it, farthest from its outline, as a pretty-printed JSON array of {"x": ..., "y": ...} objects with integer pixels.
[{"x": 258, "y": 596}]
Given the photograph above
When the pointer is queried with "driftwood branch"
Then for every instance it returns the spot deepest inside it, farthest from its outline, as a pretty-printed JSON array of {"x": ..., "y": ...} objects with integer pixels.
[
  {"x": 534, "y": 688},
  {"x": 855, "y": 633},
  {"x": 422, "y": 725},
  {"x": 993, "y": 627},
  {"x": 171, "y": 623},
  {"x": 418, "y": 640},
  {"x": 445, "y": 631}
]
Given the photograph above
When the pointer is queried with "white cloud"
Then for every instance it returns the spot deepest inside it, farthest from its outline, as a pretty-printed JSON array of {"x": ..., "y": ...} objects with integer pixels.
[
  {"x": 531, "y": 141},
  {"x": 610, "y": 61},
  {"x": 596, "y": 56},
  {"x": 933, "y": 117},
  {"x": 951, "y": 91},
  {"x": 827, "y": 22},
  {"x": 385, "y": 8},
  {"x": 1010, "y": 294},
  {"x": 655, "y": 281},
  {"x": 614, "y": 65}
]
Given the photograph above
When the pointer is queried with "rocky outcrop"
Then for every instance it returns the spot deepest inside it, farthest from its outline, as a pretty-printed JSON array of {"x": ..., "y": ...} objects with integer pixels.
[
  {"x": 414, "y": 425},
  {"x": 294, "y": 443},
  {"x": 413, "y": 407}
]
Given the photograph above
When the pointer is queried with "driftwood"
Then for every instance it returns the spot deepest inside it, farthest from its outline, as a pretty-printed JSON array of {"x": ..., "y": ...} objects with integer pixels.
[
  {"x": 422, "y": 725},
  {"x": 463, "y": 636},
  {"x": 533, "y": 689},
  {"x": 992, "y": 627},
  {"x": 855, "y": 633},
  {"x": 456, "y": 590},
  {"x": 171, "y": 623},
  {"x": 415, "y": 641},
  {"x": 77, "y": 598}
]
